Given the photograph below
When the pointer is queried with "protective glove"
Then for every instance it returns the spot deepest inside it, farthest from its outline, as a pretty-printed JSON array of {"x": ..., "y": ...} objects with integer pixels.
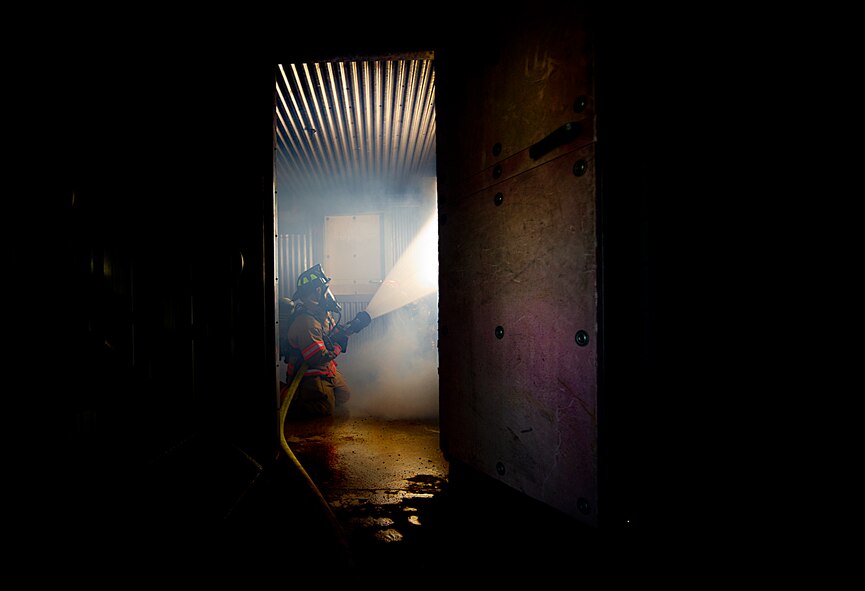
[
  {"x": 328, "y": 342},
  {"x": 341, "y": 339}
]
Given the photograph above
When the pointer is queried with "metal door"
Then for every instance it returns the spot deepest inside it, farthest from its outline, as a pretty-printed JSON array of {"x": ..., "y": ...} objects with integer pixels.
[{"x": 518, "y": 258}]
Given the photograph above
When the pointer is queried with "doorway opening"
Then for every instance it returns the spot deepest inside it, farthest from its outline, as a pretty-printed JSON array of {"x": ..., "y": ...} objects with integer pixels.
[{"x": 355, "y": 178}]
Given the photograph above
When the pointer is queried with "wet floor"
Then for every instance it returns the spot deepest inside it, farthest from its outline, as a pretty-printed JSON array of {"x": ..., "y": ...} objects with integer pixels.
[
  {"x": 368, "y": 501},
  {"x": 381, "y": 480},
  {"x": 402, "y": 510}
]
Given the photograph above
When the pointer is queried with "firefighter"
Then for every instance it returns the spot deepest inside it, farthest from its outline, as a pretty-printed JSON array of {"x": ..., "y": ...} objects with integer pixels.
[{"x": 314, "y": 338}]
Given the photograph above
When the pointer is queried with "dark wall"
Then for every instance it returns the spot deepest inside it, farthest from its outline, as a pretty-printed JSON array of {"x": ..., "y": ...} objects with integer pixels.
[{"x": 158, "y": 254}]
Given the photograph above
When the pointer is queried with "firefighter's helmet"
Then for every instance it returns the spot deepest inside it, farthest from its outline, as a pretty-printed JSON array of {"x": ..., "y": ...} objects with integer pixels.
[{"x": 312, "y": 277}]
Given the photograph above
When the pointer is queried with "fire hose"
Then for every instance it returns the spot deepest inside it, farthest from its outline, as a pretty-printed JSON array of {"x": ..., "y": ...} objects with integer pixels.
[
  {"x": 360, "y": 322},
  {"x": 283, "y": 411}
]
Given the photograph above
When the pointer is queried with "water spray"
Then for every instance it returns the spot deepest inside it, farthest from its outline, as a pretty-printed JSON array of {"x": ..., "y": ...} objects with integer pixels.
[{"x": 414, "y": 276}]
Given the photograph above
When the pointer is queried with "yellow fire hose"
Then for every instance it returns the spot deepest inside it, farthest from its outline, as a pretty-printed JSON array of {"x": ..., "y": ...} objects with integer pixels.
[{"x": 283, "y": 411}]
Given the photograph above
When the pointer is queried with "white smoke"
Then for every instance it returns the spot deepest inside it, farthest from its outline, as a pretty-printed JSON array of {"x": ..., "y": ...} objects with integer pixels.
[{"x": 395, "y": 375}]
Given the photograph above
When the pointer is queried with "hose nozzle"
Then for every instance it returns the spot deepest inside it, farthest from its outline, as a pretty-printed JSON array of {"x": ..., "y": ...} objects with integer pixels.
[{"x": 360, "y": 322}]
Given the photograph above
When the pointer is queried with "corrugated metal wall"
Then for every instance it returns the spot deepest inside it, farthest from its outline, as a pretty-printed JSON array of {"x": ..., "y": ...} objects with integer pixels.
[
  {"x": 401, "y": 226},
  {"x": 354, "y": 124},
  {"x": 294, "y": 257}
]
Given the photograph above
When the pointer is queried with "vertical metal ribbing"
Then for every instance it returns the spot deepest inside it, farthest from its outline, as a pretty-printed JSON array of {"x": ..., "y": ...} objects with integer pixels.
[
  {"x": 404, "y": 225},
  {"x": 378, "y": 119},
  {"x": 295, "y": 256},
  {"x": 402, "y": 120},
  {"x": 368, "y": 143},
  {"x": 373, "y": 122},
  {"x": 314, "y": 126},
  {"x": 288, "y": 134},
  {"x": 338, "y": 118},
  {"x": 295, "y": 120},
  {"x": 428, "y": 133},
  {"x": 348, "y": 100},
  {"x": 412, "y": 110},
  {"x": 326, "y": 130},
  {"x": 387, "y": 135},
  {"x": 357, "y": 120}
]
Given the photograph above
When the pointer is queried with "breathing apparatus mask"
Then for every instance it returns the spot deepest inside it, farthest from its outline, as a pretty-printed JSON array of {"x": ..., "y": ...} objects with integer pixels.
[
  {"x": 315, "y": 277},
  {"x": 330, "y": 304}
]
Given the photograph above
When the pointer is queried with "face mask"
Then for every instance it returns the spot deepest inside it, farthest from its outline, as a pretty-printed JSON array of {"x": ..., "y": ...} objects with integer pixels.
[{"x": 330, "y": 303}]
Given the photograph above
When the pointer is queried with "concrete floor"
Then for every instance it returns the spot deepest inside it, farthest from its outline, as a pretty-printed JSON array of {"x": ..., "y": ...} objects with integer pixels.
[
  {"x": 402, "y": 510},
  {"x": 368, "y": 501}
]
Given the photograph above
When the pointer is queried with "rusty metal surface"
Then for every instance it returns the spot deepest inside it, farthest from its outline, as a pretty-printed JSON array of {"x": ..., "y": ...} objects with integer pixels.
[
  {"x": 518, "y": 260},
  {"x": 526, "y": 79},
  {"x": 523, "y": 407},
  {"x": 522, "y": 161}
]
